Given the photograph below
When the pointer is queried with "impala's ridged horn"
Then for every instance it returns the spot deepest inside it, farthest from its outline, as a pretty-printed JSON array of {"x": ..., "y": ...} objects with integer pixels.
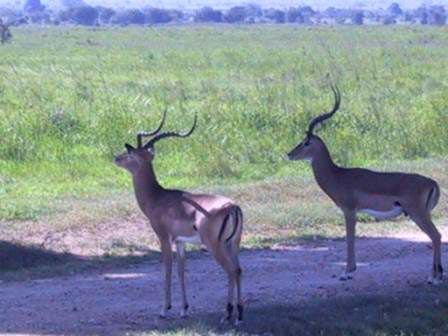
[
  {"x": 142, "y": 135},
  {"x": 163, "y": 135},
  {"x": 316, "y": 121}
]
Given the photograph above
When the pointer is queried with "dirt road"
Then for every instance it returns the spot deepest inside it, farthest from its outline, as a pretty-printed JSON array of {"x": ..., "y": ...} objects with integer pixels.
[{"x": 129, "y": 299}]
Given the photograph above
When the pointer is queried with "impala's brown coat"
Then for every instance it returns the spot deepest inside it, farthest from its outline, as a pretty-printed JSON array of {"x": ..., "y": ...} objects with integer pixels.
[
  {"x": 382, "y": 195},
  {"x": 178, "y": 216}
]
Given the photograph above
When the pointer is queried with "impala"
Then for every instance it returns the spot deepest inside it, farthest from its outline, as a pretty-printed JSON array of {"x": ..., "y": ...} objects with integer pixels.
[
  {"x": 178, "y": 217},
  {"x": 381, "y": 195}
]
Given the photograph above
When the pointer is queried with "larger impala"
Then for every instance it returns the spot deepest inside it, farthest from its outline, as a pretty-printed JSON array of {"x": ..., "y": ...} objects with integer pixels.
[
  {"x": 381, "y": 195},
  {"x": 179, "y": 217}
]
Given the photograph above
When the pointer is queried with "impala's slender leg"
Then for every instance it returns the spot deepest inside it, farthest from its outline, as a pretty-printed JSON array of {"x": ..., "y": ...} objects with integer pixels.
[
  {"x": 167, "y": 257},
  {"x": 234, "y": 250},
  {"x": 424, "y": 222},
  {"x": 223, "y": 258},
  {"x": 180, "y": 248},
  {"x": 350, "y": 227}
]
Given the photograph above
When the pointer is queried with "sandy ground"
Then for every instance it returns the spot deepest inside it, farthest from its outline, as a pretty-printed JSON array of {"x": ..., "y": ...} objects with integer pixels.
[{"x": 129, "y": 299}]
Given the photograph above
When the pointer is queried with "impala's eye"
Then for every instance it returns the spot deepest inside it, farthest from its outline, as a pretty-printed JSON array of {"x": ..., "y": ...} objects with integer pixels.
[{"x": 306, "y": 143}]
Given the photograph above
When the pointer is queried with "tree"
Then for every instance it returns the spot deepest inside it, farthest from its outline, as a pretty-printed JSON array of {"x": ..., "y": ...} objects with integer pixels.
[
  {"x": 33, "y": 6},
  {"x": 358, "y": 18},
  {"x": 157, "y": 15},
  {"x": 294, "y": 15},
  {"x": 208, "y": 14},
  {"x": 394, "y": 9},
  {"x": 85, "y": 15},
  {"x": 437, "y": 15},
  {"x": 105, "y": 14},
  {"x": 276, "y": 15},
  {"x": 129, "y": 16},
  {"x": 5, "y": 33},
  {"x": 236, "y": 14}
]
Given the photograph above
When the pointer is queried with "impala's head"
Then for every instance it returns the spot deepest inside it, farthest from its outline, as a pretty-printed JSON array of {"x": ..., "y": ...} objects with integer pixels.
[
  {"x": 135, "y": 158},
  {"x": 312, "y": 145}
]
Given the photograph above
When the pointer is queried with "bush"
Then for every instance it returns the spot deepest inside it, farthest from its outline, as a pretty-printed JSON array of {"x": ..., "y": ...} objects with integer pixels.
[
  {"x": 127, "y": 17},
  {"x": 208, "y": 14},
  {"x": 157, "y": 15}
]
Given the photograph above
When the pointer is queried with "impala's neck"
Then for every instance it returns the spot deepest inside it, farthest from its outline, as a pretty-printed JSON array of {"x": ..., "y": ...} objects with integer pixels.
[
  {"x": 324, "y": 169},
  {"x": 146, "y": 187}
]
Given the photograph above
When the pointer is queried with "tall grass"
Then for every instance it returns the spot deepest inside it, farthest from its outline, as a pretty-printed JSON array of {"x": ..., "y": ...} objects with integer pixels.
[{"x": 71, "y": 97}]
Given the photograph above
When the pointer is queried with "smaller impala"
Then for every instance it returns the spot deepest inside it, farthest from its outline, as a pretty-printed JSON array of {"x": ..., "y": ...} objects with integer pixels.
[
  {"x": 381, "y": 195},
  {"x": 179, "y": 217}
]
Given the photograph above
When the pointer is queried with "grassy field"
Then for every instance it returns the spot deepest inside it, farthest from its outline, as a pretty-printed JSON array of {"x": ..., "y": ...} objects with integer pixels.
[{"x": 70, "y": 98}]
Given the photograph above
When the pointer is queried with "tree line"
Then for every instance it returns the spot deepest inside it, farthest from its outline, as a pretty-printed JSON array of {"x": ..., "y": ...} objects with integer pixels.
[{"x": 80, "y": 13}]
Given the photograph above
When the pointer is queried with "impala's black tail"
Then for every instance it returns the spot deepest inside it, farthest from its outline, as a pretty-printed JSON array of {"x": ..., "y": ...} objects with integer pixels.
[
  {"x": 237, "y": 214},
  {"x": 433, "y": 197}
]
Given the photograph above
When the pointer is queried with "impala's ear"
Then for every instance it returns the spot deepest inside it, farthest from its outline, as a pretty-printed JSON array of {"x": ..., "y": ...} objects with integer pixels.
[{"x": 129, "y": 148}]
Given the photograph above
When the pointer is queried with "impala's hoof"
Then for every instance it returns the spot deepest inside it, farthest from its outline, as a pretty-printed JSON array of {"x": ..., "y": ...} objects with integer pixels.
[
  {"x": 164, "y": 312},
  {"x": 435, "y": 281},
  {"x": 184, "y": 313},
  {"x": 238, "y": 323},
  {"x": 346, "y": 276}
]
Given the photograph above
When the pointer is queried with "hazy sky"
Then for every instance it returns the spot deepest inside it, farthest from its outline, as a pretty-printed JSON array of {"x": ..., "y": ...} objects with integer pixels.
[{"x": 192, "y": 4}]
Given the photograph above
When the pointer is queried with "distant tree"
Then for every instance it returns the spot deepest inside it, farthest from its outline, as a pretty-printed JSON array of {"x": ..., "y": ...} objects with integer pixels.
[
  {"x": 394, "y": 9},
  {"x": 105, "y": 14},
  {"x": 157, "y": 15},
  {"x": 33, "y": 6},
  {"x": 5, "y": 33},
  {"x": 437, "y": 15},
  {"x": 307, "y": 11},
  {"x": 208, "y": 14},
  {"x": 358, "y": 18},
  {"x": 129, "y": 16},
  {"x": 236, "y": 14},
  {"x": 85, "y": 15},
  {"x": 276, "y": 15},
  {"x": 294, "y": 15},
  {"x": 254, "y": 10}
]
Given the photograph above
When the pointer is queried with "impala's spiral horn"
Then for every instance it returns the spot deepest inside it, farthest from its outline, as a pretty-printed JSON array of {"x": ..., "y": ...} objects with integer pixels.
[
  {"x": 316, "y": 121},
  {"x": 142, "y": 135},
  {"x": 163, "y": 135}
]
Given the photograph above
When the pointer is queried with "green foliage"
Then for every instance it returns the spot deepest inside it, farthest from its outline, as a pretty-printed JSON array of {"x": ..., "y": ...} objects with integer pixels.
[{"x": 71, "y": 97}]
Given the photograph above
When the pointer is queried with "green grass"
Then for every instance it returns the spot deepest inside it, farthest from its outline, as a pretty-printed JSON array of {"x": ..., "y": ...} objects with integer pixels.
[{"x": 71, "y": 97}]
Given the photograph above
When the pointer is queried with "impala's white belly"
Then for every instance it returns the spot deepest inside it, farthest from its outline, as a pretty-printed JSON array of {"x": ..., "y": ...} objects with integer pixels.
[
  {"x": 394, "y": 212},
  {"x": 194, "y": 239}
]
